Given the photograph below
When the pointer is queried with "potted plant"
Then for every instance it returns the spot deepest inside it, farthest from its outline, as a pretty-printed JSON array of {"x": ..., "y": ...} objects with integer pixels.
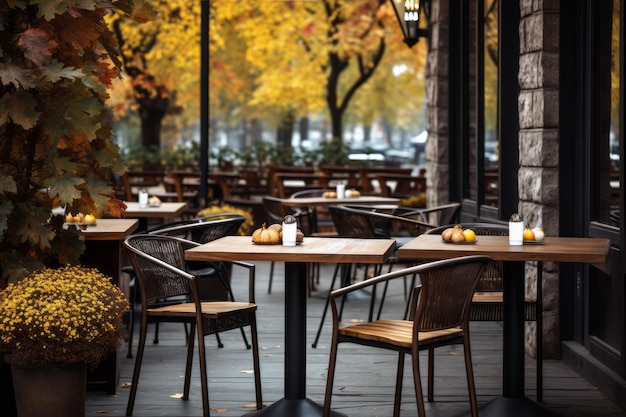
[{"x": 56, "y": 323}]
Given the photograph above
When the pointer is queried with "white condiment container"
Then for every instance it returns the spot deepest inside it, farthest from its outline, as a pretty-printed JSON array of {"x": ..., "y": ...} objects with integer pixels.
[
  {"x": 341, "y": 190},
  {"x": 143, "y": 198},
  {"x": 290, "y": 226},
  {"x": 516, "y": 230}
]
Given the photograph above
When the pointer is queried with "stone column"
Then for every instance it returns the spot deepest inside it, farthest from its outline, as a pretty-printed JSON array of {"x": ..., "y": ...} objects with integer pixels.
[
  {"x": 538, "y": 175},
  {"x": 436, "y": 151}
]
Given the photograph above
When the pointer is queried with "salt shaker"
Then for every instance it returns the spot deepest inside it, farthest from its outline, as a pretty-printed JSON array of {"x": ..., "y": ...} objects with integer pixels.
[
  {"x": 516, "y": 230},
  {"x": 290, "y": 226},
  {"x": 341, "y": 190},
  {"x": 143, "y": 198}
]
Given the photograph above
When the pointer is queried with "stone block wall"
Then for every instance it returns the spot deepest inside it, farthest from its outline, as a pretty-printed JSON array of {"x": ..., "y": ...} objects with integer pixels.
[
  {"x": 538, "y": 106},
  {"x": 436, "y": 152},
  {"x": 538, "y": 175}
]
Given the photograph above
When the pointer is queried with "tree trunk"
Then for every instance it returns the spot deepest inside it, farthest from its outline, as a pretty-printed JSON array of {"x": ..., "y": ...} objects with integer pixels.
[
  {"x": 284, "y": 134},
  {"x": 151, "y": 121}
]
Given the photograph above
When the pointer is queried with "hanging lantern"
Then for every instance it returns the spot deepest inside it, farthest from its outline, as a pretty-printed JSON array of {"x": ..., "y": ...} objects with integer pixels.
[{"x": 413, "y": 18}]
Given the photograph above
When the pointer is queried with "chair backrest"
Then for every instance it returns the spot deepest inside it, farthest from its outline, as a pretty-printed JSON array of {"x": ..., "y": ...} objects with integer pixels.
[
  {"x": 317, "y": 192},
  {"x": 352, "y": 223},
  {"x": 276, "y": 210},
  {"x": 159, "y": 266},
  {"x": 204, "y": 229},
  {"x": 445, "y": 292},
  {"x": 492, "y": 278}
]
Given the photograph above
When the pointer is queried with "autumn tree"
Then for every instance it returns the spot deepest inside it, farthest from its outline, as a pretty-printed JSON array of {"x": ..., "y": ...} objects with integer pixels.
[
  {"x": 55, "y": 136},
  {"x": 161, "y": 58},
  {"x": 309, "y": 55}
]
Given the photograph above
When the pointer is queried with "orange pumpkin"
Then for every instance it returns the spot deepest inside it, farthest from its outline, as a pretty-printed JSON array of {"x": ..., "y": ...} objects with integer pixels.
[{"x": 265, "y": 235}]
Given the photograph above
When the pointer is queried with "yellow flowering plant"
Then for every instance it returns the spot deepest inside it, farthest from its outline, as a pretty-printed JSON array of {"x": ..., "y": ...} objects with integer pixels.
[{"x": 69, "y": 315}]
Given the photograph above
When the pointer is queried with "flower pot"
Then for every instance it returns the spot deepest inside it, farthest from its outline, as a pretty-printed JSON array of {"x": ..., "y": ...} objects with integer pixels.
[{"x": 50, "y": 391}]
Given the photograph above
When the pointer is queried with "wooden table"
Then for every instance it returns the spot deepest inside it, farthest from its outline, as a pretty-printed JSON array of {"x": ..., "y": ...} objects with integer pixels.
[
  {"x": 166, "y": 211},
  {"x": 104, "y": 252},
  {"x": 230, "y": 248},
  {"x": 554, "y": 249}
]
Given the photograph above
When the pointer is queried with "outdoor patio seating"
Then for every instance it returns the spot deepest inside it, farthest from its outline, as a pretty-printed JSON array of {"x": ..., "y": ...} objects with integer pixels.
[
  {"x": 201, "y": 230},
  {"x": 439, "y": 316},
  {"x": 488, "y": 301},
  {"x": 159, "y": 266}
]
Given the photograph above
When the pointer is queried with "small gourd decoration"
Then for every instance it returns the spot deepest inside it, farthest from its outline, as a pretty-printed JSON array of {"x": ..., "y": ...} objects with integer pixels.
[{"x": 266, "y": 235}]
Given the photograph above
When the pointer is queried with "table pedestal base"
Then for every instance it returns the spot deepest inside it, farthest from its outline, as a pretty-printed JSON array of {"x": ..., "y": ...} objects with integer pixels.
[
  {"x": 514, "y": 407},
  {"x": 292, "y": 408}
]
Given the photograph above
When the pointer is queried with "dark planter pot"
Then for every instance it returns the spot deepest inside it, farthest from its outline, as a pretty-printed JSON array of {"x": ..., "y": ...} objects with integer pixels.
[
  {"x": 7, "y": 396},
  {"x": 50, "y": 391}
]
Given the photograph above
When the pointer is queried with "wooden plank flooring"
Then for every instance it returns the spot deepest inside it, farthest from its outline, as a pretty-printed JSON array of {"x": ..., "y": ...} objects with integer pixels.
[{"x": 365, "y": 378}]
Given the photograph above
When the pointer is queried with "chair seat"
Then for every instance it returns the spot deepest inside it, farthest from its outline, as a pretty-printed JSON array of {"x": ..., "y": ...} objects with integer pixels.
[
  {"x": 495, "y": 298},
  {"x": 210, "y": 309},
  {"x": 489, "y": 307},
  {"x": 397, "y": 332}
]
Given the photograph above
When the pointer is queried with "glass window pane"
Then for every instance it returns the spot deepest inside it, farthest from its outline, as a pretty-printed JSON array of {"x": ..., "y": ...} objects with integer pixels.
[{"x": 491, "y": 143}]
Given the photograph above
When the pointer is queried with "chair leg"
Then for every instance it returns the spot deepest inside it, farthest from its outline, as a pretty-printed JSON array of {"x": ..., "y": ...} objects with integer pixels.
[
  {"x": 398, "y": 394},
  {"x": 137, "y": 369},
  {"x": 256, "y": 364},
  {"x": 377, "y": 271},
  {"x": 131, "y": 324},
  {"x": 204, "y": 383},
  {"x": 269, "y": 287},
  {"x": 431, "y": 375},
  {"x": 330, "y": 378},
  {"x": 189, "y": 363},
  {"x": 417, "y": 383},
  {"x": 156, "y": 333},
  {"x": 332, "y": 285},
  {"x": 471, "y": 387},
  {"x": 224, "y": 278},
  {"x": 131, "y": 321},
  {"x": 410, "y": 295}
]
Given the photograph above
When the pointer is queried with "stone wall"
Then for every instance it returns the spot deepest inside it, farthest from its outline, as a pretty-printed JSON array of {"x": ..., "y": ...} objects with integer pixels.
[
  {"x": 538, "y": 106},
  {"x": 538, "y": 175},
  {"x": 436, "y": 152}
]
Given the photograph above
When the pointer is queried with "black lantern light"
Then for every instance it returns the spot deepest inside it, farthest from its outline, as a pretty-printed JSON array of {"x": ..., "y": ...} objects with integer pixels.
[{"x": 410, "y": 13}]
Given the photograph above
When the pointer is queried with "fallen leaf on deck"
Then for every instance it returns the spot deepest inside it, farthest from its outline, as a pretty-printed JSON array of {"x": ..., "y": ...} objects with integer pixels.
[
  {"x": 127, "y": 384},
  {"x": 453, "y": 353},
  {"x": 101, "y": 411},
  {"x": 177, "y": 395},
  {"x": 246, "y": 372},
  {"x": 356, "y": 321},
  {"x": 250, "y": 405},
  {"x": 219, "y": 410}
]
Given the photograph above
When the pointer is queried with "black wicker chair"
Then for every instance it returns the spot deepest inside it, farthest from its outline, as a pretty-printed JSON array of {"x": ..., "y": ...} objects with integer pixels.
[{"x": 161, "y": 273}]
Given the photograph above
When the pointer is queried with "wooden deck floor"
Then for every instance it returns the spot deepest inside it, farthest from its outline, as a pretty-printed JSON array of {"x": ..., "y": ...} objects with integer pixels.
[{"x": 365, "y": 378}]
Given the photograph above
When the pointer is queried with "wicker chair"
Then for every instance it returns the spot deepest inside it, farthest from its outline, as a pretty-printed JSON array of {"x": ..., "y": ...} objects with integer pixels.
[
  {"x": 439, "y": 317},
  {"x": 437, "y": 215},
  {"x": 160, "y": 271},
  {"x": 401, "y": 229},
  {"x": 318, "y": 217},
  {"x": 276, "y": 212},
  {"x": 200, "y": 230},
  {"x": 351, "y": 222},
  {"x": 488, "y": 303}
]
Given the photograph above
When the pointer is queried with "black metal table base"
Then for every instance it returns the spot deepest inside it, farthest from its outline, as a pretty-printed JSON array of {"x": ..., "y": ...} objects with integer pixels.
[
  {"x": 514, "y": 407},
  {"x": 286, "y": 408}
]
